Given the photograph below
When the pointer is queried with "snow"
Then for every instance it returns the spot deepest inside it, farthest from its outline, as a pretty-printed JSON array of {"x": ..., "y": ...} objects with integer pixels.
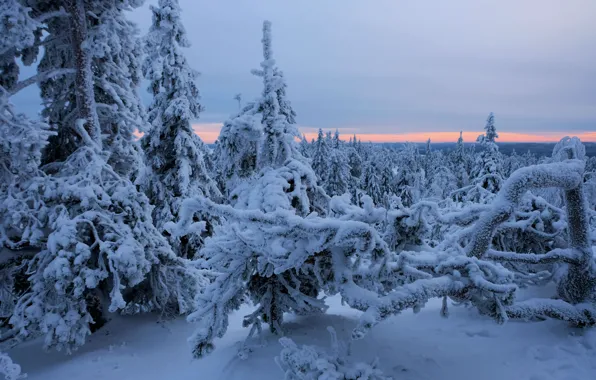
[
  {"x": 280, "y": 232},
  {"x": 409, "y": 346}
]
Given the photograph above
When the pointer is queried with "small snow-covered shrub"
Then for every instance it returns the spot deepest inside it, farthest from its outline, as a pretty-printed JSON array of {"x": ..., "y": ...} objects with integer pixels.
[
  {"x": 10, "y": 370},
  {"x": 313, "y": 363}
]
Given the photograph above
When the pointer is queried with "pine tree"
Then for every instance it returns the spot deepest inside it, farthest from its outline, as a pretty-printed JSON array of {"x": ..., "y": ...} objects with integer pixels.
[{"x": 176, "y": 167}]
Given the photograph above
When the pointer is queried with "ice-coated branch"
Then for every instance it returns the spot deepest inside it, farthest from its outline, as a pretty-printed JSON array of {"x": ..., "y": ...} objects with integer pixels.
[
  {"x": 556, "y": 255},
  {"x": 447, "y": 275},
  {"x": 579, "y": 284},
  {"x": 278, "y": 258},
  {"x": 565, "y": 175},
  {"x": 580, "y": 314},
  {"x": 40, "y": 77}
]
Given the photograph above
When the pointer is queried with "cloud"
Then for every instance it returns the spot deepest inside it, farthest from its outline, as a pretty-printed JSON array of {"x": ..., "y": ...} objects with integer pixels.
[{"x": 399, "y": 67}]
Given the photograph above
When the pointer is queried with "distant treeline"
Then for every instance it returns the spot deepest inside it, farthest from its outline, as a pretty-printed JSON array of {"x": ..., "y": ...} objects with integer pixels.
[{"x": 538, "y": 149}]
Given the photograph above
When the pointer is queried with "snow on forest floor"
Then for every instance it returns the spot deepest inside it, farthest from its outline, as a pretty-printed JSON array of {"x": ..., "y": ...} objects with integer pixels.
[{"x": 409, "y": 346}]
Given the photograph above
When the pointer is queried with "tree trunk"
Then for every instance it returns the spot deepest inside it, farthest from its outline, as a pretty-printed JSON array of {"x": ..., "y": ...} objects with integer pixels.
[{"x": 84, "y": 77}]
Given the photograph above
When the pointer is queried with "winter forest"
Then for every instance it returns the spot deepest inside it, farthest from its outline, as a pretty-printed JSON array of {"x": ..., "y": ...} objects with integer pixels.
[{"x": 263, "y": 229}]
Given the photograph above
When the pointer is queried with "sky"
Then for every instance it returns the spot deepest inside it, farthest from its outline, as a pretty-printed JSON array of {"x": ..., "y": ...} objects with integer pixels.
[{"x": 391, "y": 70}]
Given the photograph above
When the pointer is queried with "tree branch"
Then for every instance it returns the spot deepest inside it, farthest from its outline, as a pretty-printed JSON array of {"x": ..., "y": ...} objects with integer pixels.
[
  {"x": 38, "y": 78},
  {"x": 565, "y": 255}
]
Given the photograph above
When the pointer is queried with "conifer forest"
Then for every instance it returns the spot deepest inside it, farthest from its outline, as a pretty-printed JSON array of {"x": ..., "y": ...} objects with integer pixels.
[{"x": 129, "y": 242}]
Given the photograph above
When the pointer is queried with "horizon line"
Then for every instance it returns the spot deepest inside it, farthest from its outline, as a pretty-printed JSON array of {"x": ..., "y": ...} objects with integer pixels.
[{"x": 209, "y": 132}]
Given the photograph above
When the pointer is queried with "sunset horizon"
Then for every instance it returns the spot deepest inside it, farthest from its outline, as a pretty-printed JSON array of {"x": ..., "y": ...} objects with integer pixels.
[{"x": 209, "y": 133}]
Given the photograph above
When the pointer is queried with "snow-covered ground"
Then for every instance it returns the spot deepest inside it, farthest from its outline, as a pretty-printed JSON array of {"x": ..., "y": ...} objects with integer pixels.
[{"x": 410, "y": 347}]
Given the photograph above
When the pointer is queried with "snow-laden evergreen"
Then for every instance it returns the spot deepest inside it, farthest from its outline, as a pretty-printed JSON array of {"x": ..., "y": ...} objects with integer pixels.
[
  {"x": 278, "y": 117},
  {"x": 102, "y": 245},
  {"x": 320, "y": 157},
  {"x": 174, "y": 153},
  {"x": 22, "y": 209},
  {"x": 460, "y": 163},
  {"x": 259, "y": 159},
  {"x": 114, "y": 49},
  {"x": 100, "y": 251},
  {"x": 339, "y": 178},
  {"x": 91, "y": 224},
  {"x": 279, "y": 275}
]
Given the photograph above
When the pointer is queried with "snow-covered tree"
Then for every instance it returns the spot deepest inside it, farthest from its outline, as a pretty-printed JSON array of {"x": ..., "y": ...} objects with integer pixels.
[
  {"x": 409, "y": 177},
  {"x": 491, "y": 134},
  {"x": 336, "y": 140},
  {"x": 281, "y": 176},
  {"x": 487, "y": 173},
  {"x": 339, "y": 177},
  {"x": 320, "y": 157},
  {"x": 281, "y": 260},
  {"x": 21, "y": 181},
  {"x": 21, "y": 139},
  {"x": 371, "y": 182},
  {"x": 176, "y": 167},
  {"x": 304, "y": 147},
  {"x": 113, "y": 50},
  {"x": 278, "y": 117},
  {"x": 102, "y": 252},
  {"x": 460, "y": 162}
]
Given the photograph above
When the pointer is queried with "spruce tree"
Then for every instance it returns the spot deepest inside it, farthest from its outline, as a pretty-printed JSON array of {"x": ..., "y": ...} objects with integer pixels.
[
  {"x": 101, "y": 252},
  {"x": 488, "y": 169},
  {"x": 320, "y": 157},
  {"x": 112, "y": 49},
  {"x": 339, "y": 177},
  {"x": 175, "y": 155},
  {"x": 371, "y": 182},
  {"x": 491, "y": 134},
  {"x": 278, "y": 117},
  {"x": 460, "y": 162}
]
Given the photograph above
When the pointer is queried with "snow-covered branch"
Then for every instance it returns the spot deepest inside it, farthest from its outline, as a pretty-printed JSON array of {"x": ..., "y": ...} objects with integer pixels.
[
  {"x": 556, "y": 255},
  {"x": 565, "y": 175}
]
